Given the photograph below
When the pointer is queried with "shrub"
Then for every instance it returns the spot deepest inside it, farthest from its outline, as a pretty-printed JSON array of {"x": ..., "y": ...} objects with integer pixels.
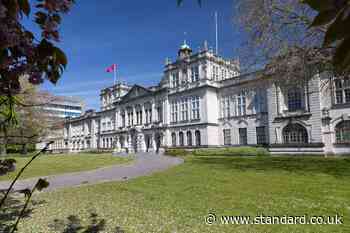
[
  {"x": 232, "y": 151},
  {"x": 176, "y": 152},
  {"x": 14, "y": 148}
]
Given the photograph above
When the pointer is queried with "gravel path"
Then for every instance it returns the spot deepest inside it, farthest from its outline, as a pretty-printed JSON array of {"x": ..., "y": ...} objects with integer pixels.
[{"x": 144, "y": 164}]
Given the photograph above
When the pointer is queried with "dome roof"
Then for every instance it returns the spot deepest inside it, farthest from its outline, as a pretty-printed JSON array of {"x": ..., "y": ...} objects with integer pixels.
[{"x": 185, "y": 46}]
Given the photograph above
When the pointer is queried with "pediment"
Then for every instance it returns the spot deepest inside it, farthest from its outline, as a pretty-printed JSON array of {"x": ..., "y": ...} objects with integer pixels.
[{"x": 136, "y": 91}]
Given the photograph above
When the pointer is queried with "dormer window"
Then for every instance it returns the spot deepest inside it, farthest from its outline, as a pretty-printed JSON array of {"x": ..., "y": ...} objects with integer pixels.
[{"x": 295, "y": 99}]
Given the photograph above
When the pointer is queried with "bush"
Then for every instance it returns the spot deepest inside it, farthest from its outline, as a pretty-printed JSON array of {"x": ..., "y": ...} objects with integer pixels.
[
  {"x": 232, "y": 151},
  {"x": 176, "y": 152},
  {"x": 13, "y": 148}
]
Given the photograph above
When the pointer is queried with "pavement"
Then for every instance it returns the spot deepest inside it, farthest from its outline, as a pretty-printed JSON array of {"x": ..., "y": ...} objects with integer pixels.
[{"x": 144, "y": 164}]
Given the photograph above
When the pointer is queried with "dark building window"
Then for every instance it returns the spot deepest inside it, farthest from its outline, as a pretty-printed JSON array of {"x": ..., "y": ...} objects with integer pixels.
[
  {"x": 227, "y": 137},
  {"x": 189, "y": 138},
  {"x": 181, "y": 138},
  {"x": 261, "y": 135},
  {"x": 197, "y": 135},
  {"x": 243, "y": 138},
  {"x": 342, "y": 132},
  {"x": 295, "y": 133},
  {"x": 173, "y": 139},
  {"x": 295, "y": 99}
]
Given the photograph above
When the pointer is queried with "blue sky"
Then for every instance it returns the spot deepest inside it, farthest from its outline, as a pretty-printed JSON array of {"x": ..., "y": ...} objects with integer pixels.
[{"x": 138, "y": 36}]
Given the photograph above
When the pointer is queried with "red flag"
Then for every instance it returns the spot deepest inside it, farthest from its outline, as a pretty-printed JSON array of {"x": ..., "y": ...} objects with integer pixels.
[{"x": 112, "y": 68}]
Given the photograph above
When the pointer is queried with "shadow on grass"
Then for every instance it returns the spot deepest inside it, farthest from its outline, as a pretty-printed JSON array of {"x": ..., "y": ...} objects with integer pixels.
[
  {"x": 73, "y": 225},
  {"x": 338, "y": 167},
  {"x": 11, "y": 210}
]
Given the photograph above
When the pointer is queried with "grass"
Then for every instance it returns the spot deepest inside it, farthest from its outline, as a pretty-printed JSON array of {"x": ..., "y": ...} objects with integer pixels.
[
  {"x": 229, "y": 151},
  {"x": 178, "y": 200},
  {"x": 47, "y": 164}
]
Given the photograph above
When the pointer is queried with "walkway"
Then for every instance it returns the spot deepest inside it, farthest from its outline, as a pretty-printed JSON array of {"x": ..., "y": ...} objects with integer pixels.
[{"x": 144, "y": 164}]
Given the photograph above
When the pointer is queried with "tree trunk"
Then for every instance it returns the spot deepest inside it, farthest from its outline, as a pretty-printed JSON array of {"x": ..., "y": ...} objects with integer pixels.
[{"x": 3, "y": 147}]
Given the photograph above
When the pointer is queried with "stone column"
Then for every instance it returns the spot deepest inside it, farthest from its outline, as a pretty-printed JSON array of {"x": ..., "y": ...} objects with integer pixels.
[
  {"x": 153, "y": 110},
  {"x": 126, "y": 118}
]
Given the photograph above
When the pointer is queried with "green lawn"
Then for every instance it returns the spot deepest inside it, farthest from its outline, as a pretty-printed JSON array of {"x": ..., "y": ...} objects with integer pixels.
[
  {"x": 178, "y": 200},
  {"x": 49, "y": 164}
]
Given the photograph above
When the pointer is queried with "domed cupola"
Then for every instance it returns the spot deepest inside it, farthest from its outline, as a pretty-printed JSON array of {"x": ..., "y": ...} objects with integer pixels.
[{"x": 185, "y": 51}]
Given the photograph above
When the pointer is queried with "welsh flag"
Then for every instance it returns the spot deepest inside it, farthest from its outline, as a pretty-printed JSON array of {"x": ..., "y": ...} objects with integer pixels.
[{"x": 112, "y": 68}]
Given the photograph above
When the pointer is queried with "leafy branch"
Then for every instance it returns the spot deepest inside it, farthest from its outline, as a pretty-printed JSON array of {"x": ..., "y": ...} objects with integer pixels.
[{"x": 20, "y": 173}]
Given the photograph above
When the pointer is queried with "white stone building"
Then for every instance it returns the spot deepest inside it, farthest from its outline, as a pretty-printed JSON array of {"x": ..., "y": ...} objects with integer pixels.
[{"x": 204, "y": 101}]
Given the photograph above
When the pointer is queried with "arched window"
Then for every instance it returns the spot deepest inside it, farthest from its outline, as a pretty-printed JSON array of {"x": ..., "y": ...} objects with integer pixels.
[
  {"x": 295, "y": 99},
  {"x": 295, "y": 133},
  {"x": 189, "y": 138},
  {"x": 181, "y": 139},
  {"x": 173, "y": 139},
  {"x": 197, "y": 135},
  {"x": 342, "y": 132}
]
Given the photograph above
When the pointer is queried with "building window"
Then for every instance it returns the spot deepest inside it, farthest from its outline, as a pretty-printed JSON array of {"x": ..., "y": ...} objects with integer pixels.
[
  {"x": 243, "y": 138},
  {"x": 189, "y": 138},
  {"x": 224, "y": 74},
  {"x": 174, "y": 111},
  {"x": 295, "y": 99},
  {"x": 225, "y": 107},
  {"x": 295, "y": 133},
  {"x": 261, "y": 135},
  {"x": 197, "y": 135},
  {"x": 194, "y": 73},
  {"x": 195, "y": 108},
  {"x": 173, "y": 139},
  {"x": 342, "y": 132},
  {"x": 160, "y": 112},
  {"x": 227, "y": 137},
  {"x": 175, "y": 79},
  {"x": 242, "y": 104},
  {"x": 342, "y": 90},
  {"x": 184, "y": 78},
  {"x": 259, "y": 101},
  {"x": 216, "y": 73},
  {"x": 184, "y": 110},
  {"x": 181, "y": 139}
]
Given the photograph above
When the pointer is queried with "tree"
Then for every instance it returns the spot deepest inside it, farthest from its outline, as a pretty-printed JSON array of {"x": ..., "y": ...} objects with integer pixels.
[
  {"x": 335, "y": 16},
  {"x": 32, "y": 121},
  {"x": 278, "y": 28},
  {"x": 22, "y": 54},
  {"x": 278, "y": 32}
]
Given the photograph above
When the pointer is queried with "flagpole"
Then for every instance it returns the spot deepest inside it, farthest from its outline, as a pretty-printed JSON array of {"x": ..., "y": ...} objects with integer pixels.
[{"x": 115, "y": 74}]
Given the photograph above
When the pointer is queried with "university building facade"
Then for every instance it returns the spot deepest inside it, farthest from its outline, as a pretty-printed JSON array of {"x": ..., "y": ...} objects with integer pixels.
[{"x": 202, "y": 100}]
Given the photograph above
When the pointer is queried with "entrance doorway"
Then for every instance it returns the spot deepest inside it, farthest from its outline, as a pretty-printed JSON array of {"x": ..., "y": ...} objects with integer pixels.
[
  {"x": 148, "y": 142},
  {"x": 158, "y": 138}
]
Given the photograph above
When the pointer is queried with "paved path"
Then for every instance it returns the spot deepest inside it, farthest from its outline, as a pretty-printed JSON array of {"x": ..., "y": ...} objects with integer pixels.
[{"x": 144, "y": 164}]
